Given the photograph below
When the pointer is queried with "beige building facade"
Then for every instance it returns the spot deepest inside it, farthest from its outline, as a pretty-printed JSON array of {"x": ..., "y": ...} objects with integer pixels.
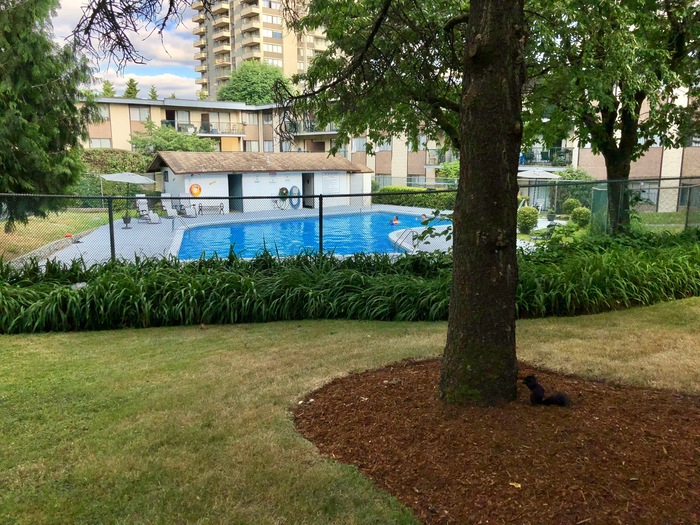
[
  {"x": 238, "y": 30},
  {"x": 235, "y": 126}
]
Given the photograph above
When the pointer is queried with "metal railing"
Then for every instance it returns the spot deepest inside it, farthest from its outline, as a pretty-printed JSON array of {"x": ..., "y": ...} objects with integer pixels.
[
  {"x": 100, "y": 228},
  {"x": 205, "y": 128}
]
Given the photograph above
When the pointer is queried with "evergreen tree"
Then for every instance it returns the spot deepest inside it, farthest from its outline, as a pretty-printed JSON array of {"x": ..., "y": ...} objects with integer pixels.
[
  {"x": 132, "y": 89},
  {"x": 108, "y": 89},
  {"x": 153, "y": 94},
  {"x": 42, "y": 125}
]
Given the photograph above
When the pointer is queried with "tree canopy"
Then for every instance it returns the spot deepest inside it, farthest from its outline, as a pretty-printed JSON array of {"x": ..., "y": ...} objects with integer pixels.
[
  {"x": 167, "y": 138},
  {"x": 153, "y": 93},
  {"x": 41, "y": 123},
  {"x": 252, "y": 83},
  {"x": 617, "y": 76}
]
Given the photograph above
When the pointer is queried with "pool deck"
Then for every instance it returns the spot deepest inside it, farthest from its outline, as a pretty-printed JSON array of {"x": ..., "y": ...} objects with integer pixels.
[{"x": 163, "y": 239}]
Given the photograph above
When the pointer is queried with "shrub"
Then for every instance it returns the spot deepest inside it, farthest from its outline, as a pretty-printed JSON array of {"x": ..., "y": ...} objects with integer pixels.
[
  {"x": 418, "y": 197},
  {"x": 527, "y": 219},
  {"x": 569, "y": 205},
  {"x": 581, "y": 216},
  {"x": 522, "y": 198}
]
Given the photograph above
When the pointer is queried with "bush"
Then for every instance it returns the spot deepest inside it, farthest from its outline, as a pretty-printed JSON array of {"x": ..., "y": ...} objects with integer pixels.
[
  {"x": 418, "y": 197},
  {"x": 581, "y": 216},
  {"x": 569, "y": 205},
  {"x": 527, "y": 219}
]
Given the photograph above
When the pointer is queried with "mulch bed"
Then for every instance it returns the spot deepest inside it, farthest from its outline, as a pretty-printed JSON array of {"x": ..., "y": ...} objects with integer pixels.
[{"x": 617, "y": 455}]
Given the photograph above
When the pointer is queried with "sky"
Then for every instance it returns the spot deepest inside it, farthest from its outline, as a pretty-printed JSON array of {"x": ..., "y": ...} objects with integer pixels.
[{"x": 170, "y": 63}]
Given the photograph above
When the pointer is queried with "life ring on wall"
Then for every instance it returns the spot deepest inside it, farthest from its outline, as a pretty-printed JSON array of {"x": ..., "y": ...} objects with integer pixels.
[
  {"x": 195, "y": 190},
  {"x": 283, "y": 193},
  {"x": 294, "y": 200}
]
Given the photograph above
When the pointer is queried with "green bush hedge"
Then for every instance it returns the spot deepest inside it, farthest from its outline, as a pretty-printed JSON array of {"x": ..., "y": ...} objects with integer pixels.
[
  {"x": 584, "y": 277},
  {"x": 417, "y": 197},
  {"x": 570, "y": 205},
  {"x": 527, "y": 219},
  {"x": 581, "y": 216}
]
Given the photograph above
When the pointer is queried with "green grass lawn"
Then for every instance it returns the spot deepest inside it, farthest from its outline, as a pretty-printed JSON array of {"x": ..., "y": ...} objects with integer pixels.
[
  {"x": 192, "y": 425},
  {"x": 38, "y": 232}
]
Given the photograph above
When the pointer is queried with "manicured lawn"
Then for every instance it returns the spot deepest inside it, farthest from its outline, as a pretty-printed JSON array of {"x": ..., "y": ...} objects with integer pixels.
[
  {"x": 38, "y": 232},
  {"x": 191, "y": 425}
]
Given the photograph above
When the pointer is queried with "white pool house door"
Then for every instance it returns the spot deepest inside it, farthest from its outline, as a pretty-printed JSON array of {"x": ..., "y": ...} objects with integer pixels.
[{"x": 307, "y": 189}]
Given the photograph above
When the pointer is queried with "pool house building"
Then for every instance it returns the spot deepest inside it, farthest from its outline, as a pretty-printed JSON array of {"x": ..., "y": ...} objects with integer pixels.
[{"x": 246, "y": 181}]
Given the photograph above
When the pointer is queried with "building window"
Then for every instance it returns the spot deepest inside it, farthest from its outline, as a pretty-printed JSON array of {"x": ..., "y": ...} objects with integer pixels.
[
  {"x": 383, "y": 147},
  {"x": 416, "y": 181},
  {"x": 183, "y": 117},
  {"x": 286, "y": 145},
  {"x": 271, "y": 4},
  {"x": 300, "y": 66},
  {"x": 272, "y": 48},
  {"x": 251, "y": 146},
  {"x": 267, "y": 117},
  {"x": 382, "y": 180},
  {"x": 138, "y": 114},
  {"x": 268, "y": 146},
  {"x": 104, "y": 111},
  {"x": 250, "y": 118},
  {"x": 100, "y": 143},
  {"x": 271, "y": 33},
  {"x": 274, "y": 62},
  {"x": 694, "y": 141},
  {"x": 269, "y": 19},
  {"x": 358, "y": 144}
]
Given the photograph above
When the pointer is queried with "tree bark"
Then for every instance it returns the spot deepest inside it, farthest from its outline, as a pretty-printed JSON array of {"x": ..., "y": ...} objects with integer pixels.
[
  {"x": 618, "y": 166},
  {"x": 479, "y": 363}
]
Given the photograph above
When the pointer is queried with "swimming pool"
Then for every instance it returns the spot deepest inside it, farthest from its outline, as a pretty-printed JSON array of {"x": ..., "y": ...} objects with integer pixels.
[{"x": 342, "y": 234}]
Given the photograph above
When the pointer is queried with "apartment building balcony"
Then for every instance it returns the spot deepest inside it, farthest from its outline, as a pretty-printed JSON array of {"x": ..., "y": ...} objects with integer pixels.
[
  {"x": 205, "y": 128},
  {"x": 201, "y": 81},
  {"x": 539, "y": 156},
  {"x": 202, "y": 42},
  {"x": 309, "y": 127},
  {"x": 251, "y": 53},
  {"x": 223, "y": 60},
  {"x": 248, "y": 10},
  {"x": 201, "y": 68},
  {"x": 221, "y": 20},
  {"x": 199, "y": 17},
  {"x": 222, "y": 73},
  {"x": 198, "y": 5},
  {"x": 250, "y": 24},
  {"x": 199, "y": 30},
  {"x": 222, "y": 48},
  {"x": 222, "y": 34},
  {"x": 220, "y": 7},
  {"x": 200, "y": 55},
  {"x": 251, "y": 39}
]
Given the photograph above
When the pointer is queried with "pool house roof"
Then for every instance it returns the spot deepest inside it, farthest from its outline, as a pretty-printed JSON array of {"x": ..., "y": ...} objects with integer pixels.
[{"x": 184, "y": 162}]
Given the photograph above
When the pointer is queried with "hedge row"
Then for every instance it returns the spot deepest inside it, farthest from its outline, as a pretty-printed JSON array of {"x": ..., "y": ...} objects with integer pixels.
[
  {"x": 588, "y": 277},
  {"x": 418, "y": 197}
]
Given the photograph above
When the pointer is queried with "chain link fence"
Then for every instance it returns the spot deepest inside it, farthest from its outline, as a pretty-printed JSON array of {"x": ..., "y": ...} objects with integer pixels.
[{"x": 97, "y": 229}]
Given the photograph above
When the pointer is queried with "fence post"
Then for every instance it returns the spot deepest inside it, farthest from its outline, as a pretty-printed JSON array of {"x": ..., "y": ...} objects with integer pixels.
[
  {"x": 110, "y": 211},
  {"x": 687, "y": 206},
  {"x": 320, "y": 223}
]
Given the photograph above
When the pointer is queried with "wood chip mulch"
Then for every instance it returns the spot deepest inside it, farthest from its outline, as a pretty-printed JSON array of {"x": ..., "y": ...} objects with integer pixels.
[{"x": 617, "y": 455}]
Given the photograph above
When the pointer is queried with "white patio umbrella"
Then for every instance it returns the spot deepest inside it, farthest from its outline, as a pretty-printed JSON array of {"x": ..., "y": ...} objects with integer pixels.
[
  {"x": 538, "y": 175},
  {"x": 128, "y": 177}
]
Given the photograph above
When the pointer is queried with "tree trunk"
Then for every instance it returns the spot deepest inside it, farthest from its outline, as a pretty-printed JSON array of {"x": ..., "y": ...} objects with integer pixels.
[
  {"x": 618, "y": 167},
  {"x": 479, "y": 363}
]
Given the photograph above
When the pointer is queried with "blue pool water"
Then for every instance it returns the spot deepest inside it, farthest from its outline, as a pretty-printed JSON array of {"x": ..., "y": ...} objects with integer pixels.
[{"x": 342, "y": 234}]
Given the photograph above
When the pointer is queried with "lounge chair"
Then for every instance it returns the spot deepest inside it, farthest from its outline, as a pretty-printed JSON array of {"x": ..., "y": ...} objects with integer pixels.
[
  {"x": 186, "y": 207},
  {"x": 146, "y": 215},
  {"x": 166, "y": 203}
]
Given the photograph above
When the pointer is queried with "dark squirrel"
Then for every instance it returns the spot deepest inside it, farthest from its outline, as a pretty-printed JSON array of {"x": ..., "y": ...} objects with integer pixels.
[{"x": 537, "y": 396}]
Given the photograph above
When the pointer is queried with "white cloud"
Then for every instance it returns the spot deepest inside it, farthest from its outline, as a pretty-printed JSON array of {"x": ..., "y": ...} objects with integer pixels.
[{"x": 173, "y": 49}]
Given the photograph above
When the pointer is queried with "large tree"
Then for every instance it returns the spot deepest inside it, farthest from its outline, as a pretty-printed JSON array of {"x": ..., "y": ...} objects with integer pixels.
[
  {"x": 616, "y": 75},
  {"x": 108, "y": 89},
  {"x": 153, "y": 93},
  {"x": 445, "y": 67},
  {"x": 167, "y": 138},
  {"x": 252, "y": 83},
  {"x": 41, "y": 123},
  {"x": 399, "y": 67}
]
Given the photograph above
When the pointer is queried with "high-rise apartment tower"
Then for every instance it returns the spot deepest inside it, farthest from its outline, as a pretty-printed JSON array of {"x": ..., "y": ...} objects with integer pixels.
[{"x": 239, "y": 30}]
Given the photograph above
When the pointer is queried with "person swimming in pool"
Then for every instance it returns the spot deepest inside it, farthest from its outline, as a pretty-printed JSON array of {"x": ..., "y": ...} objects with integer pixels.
[
  {"x": 394, "y": 221},
  {"x": 423, "y": 218}
]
